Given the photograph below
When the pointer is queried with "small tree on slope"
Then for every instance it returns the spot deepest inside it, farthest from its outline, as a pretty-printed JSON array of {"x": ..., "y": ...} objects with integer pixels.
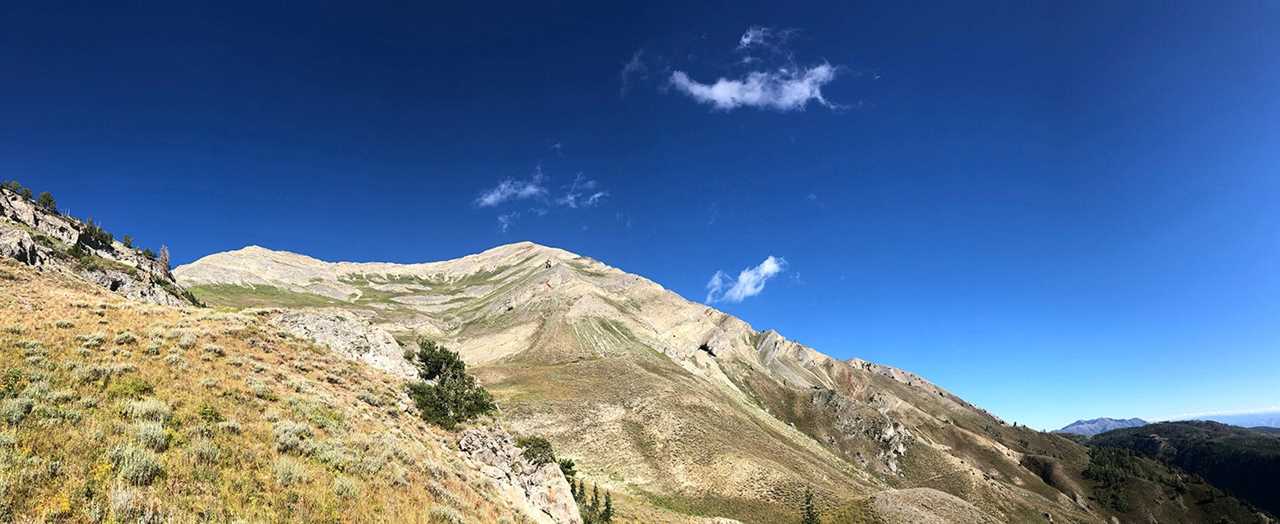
[{"x": 445, "y": 394}]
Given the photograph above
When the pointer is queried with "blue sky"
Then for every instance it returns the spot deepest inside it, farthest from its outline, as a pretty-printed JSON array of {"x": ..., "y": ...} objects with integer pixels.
[{"x": 1057, "y": 211}]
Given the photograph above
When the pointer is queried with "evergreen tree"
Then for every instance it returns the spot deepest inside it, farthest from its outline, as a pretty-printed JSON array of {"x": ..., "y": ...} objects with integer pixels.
[
  {"x": 595, "y": 499},
  {"x": 46, "y": 201},
  {"x": 810, "y": 515},
  {"x": 606, "y": 515}
]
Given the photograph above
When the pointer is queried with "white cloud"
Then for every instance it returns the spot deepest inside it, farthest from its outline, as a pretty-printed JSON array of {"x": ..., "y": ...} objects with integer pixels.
[
  {"x": 505, "y": 220},
  {"x": 513, "y": 189},
  {"x": 750, "y": 281},
  {"x": 754, "y": 36},
  {"x": 634, "y": 67},
  {"x": 783, "y": 89},
  {"x": 582, "y": 192}
]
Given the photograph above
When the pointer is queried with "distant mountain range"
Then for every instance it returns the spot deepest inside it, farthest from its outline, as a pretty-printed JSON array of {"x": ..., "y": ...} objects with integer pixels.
[
  {"x": 1095, "y": 426},
  {"x": 1247, "y": 420}
]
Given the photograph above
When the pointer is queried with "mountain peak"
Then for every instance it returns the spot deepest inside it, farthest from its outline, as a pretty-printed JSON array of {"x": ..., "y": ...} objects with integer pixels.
[{"x": 1095, "y": 426}]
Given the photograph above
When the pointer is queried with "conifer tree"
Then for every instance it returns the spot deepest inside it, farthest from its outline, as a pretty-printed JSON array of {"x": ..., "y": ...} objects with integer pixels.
[
  {"x": 595, "y": 498},
  {"x": 606, "y": 515},
  {"x": 810, "y": 515}
]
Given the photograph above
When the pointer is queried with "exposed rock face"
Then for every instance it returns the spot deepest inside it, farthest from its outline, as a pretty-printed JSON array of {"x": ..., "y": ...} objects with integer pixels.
[
  {"x": 44, "y": 239},
  {"x": 348, "y": 335},
  {"x": 540, "y": 491}
]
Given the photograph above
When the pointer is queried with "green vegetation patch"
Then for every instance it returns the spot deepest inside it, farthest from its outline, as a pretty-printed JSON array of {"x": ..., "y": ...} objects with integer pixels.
[{"x": 237, "y": 296}]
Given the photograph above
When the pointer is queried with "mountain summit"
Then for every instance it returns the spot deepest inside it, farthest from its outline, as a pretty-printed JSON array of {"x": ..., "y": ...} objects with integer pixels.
[{"x": 1095, "y": 426}]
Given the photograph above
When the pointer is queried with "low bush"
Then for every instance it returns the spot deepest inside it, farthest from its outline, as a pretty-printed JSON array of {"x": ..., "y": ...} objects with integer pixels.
[{"x": 135, "y": 465}]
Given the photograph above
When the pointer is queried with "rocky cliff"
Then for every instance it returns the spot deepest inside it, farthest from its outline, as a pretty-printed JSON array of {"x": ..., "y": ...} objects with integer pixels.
[{"x": 48, "y": 240}]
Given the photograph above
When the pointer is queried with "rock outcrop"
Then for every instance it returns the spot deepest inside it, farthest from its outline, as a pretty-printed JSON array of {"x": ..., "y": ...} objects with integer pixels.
[
  {"x": 541, "y": 491},
  {"x": 47, "y": 240},
  {"x": 348, "y": 335}
]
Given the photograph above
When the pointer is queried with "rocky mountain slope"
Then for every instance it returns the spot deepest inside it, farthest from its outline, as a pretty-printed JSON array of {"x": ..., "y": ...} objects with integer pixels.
[
  {"x": 1092, "y": 427},
  {"x": 682, "y": 409},
  {"x": 117, "y": 410},
  {"x": 42, "y": 237}
]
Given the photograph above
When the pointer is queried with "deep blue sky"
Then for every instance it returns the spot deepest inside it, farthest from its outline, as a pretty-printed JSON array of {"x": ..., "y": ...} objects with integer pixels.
[{"x": 1056, "y": 210}]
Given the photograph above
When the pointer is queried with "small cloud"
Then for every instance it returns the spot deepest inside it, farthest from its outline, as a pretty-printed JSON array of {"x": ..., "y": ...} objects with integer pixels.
[
  {"x": 633, "y": 68},
  {"x": 784, "y": 89},
  {"x": 750, "y": 282},
  {"x": 582, "y": 193},
  {"x": 813, "y": 198},
  {"x": 754, "y": 36},
  {"x": 505, "y": 220},
  {"x": 558, "y": 148},
  {"x": 513, "y": 189}
]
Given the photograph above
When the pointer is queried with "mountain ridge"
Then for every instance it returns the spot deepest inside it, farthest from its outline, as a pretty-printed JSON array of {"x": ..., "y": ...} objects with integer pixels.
[
  {"x": 1091, "y": 427},
  {"x": 621, "y": 374}
]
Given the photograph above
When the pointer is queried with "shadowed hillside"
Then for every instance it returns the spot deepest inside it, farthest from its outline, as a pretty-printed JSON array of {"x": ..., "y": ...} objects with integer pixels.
[{"x": 1241, "y": 461}]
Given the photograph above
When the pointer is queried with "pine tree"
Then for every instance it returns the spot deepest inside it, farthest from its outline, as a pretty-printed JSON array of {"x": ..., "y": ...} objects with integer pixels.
[
  {"x": 595, "y": 499},
  {"x": 810, "y": 515},
  {"x": 606, "y": 515},
  {"x": 46, "y": 201}
]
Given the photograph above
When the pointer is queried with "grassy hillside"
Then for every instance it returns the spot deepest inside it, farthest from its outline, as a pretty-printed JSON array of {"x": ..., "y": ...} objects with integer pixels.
[
  {"x": 1241, "y": 461},
  {"x": 120, "y": 411}
]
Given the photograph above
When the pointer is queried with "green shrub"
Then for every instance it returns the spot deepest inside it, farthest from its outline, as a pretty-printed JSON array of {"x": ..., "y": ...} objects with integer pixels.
[
  {"x": 132, "y": 387},
  {"x": 13, "y": 410},
  {"x": 445, "y": 394},
  {"x": 289, "y": 472},
  {"x": 346, "y": 489},
  {"x": 149, "y": 409},
  {"x": 135, "y": 465},
  {"x": 126, "y": 337},
  {"x": 293, "y": 437},
  {"x": 209, "y": 414},
  {"x": 204, "y": 452},
  {"x": 153, "y": 436},
  {"x": 537, "y": 450}
]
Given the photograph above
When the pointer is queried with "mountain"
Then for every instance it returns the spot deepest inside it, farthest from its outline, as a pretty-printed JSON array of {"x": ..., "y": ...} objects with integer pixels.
[
  {"x": 682, "y": 410},
  {"x": 1092, "y": 427},
  {"x": 1241, "y": 461}
]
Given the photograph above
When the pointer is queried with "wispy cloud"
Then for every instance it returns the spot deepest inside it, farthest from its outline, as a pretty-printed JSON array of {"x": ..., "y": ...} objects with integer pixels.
[
  {"x": 750, "y": 282},
  {"x": 582, "y": 192},
  {"x": 505, "y": 220},
  {"x": 633, "y": 68},
  {"x": 782, "y": 86},
  {"x": 783, "y": 89},
  {"x": 514, "y": 189}
]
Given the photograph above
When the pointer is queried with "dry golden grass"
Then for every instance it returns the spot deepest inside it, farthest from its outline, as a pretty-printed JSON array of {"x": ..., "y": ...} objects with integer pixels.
[{"x": 116, "y": 411}]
